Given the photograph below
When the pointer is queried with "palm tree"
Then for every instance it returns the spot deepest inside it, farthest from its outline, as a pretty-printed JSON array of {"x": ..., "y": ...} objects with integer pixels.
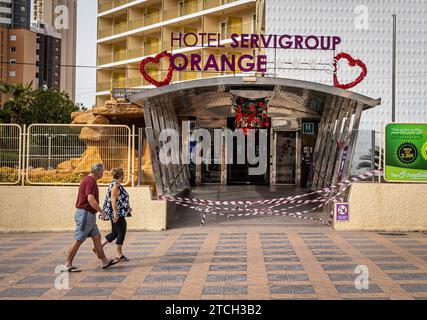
[{"x": 19, "y": 99}]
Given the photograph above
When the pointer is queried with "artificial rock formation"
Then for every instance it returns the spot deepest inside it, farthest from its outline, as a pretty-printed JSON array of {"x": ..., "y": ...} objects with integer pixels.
[{"x": 99, "y": 144}]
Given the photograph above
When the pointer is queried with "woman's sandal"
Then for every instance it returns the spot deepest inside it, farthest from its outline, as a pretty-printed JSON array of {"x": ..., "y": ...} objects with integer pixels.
[
  {"x": 122, "y": 258},
  {"x": 111, "y": 263}
]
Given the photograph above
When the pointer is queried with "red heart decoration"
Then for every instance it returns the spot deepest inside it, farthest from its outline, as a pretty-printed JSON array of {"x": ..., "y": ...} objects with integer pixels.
[
  {"x": 156, "y": 59},
  {"x": 353, "y": 63}
]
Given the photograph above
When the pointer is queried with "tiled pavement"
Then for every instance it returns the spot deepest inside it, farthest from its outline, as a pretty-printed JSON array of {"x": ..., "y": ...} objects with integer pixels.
[{"x": 222, "y": 262}]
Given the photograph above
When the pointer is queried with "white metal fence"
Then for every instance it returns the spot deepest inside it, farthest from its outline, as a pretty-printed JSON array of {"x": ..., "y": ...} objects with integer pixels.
[
  {"x": 57, "y": 154},
  {"x": 10, "y": 153}
]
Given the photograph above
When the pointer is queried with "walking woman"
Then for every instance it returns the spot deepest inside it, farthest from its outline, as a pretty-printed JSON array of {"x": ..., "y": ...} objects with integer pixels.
[{"x": 117, "y": 208}]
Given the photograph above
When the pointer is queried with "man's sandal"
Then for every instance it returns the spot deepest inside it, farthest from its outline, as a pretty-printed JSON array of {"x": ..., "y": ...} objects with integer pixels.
[
  {"x": 71, "y": 269},
  {"x": 122, "y": 258}
]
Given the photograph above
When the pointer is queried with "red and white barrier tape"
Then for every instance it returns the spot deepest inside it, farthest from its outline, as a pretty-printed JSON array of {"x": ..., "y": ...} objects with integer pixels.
[
  {"x": 277, "y": 201},
  {"x": 210, "y": 205}
]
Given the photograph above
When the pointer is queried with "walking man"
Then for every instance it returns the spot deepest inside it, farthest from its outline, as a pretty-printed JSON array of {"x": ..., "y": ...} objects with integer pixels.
[{"x": 87, "y": 206}]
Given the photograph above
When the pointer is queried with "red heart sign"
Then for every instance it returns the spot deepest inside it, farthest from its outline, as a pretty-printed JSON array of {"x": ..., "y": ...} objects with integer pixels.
[
  {"x": 156, "y": 60},
  {"x": 353, "y": 63}
]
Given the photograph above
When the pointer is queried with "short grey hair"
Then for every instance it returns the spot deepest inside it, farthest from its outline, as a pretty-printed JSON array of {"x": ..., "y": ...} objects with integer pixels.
[{"x": 97, "y": 167}]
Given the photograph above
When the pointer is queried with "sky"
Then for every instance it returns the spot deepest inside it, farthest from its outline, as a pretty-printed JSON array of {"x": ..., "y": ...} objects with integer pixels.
[{"x": 86, "y": 52}]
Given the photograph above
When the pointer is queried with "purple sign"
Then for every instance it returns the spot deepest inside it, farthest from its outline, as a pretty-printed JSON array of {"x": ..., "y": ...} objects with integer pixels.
[
  {"x": 245, "y": 62},
  {"x": 244, "y": 40},
  {"x": 342, "y": 211}
]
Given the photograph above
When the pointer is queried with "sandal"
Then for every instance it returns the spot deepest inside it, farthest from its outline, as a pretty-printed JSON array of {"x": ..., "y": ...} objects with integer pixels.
[
  {"x": 111, "y": 263},
  {"x": 122, "y": 258},
  {"x": 71, "y": 269}
]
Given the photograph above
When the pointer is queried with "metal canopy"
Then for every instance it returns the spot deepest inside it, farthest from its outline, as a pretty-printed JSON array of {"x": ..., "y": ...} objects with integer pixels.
[
  {"x": 219, "y": 90},
  {"x": 211, "y": 100}
]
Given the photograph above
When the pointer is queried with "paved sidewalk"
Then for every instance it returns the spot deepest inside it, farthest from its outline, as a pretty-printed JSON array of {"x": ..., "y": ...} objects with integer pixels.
[{"x": 226, "y": 261}]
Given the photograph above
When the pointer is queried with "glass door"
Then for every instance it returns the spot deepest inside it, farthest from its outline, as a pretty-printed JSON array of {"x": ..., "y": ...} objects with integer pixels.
[
  {"x": 286, "y": 148},
  {"x": 211, "y": 172}
]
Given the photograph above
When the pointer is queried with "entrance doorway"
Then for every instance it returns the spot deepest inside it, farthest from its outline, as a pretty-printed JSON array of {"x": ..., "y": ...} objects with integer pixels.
[
  {"x": 239, "y": 173},
  {"x": 309, "y": 137},
  {"x": 286, "y": 157}
]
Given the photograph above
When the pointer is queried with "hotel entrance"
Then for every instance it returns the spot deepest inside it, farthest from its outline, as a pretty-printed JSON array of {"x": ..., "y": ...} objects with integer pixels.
[
  {"x": 288, "y": 153},
  {"x": 305, "y": 122},
  {"x": 285, "y": 163},
  {"x": 238, "y": 174}
]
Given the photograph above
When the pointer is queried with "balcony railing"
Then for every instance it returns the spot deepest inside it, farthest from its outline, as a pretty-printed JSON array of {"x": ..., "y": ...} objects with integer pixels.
[
  {"x": 105, "y": 59},
  {"x": 119, "y": 56},
  {"x": 109, "y": 85},
  {"x": 103, "y": 86},
  {"x": 111, "y": 4},
  {"x": 123, "y": 55},
  {"x": 183, "y": 10},
  {"x": 152, "y": 48},
  {"x": 136, "y": 23},
  {"x": 135, "y": 53},
  {"x": 103, "y": 33},
  {"x": 145, "y": 20},
  {"x": 120, "y": 27},
  {"x": 119, "y": 83},
  {"x": 238, "y": 28},
  {"x": 168, "y": 13},
  {"x": 135, "y": 82},
  {"x": 208, "y": 4},
  {"x": 152, "y": 19},
  {"x": 116, "y": 28}
]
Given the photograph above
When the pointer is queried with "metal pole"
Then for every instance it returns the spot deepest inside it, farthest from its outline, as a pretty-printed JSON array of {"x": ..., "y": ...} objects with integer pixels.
[
  {"x": 133, "y": 155},
  {"x": 49, "y": 152},
  {"x": 373, "y": 153},
  {"x": 380, "y": 166},
  {"x": 23, "y": 150},
  {"x": 139, "y": 155},
  {"x": 275, "y": 58},
  {"x": 393, "y": 101}
]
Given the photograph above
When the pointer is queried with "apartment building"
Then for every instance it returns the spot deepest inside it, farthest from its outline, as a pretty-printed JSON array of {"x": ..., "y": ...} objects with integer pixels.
[
  {"x": 30, "y": 56},
  {"x": 15, "y": 13},
  {"x": 56, "y": 14},
  {"x": 130, "y": 30},
  {"x": 17, "y": 45},
  {"x": 48, "y": 56}
]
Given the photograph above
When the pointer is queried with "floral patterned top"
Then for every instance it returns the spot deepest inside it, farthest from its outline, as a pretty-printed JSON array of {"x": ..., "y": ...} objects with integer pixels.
[{"x": 123, "y": 205}]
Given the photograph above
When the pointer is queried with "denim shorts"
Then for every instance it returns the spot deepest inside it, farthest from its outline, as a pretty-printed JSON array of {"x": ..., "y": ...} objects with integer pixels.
[{"x": 85, "y": 225}]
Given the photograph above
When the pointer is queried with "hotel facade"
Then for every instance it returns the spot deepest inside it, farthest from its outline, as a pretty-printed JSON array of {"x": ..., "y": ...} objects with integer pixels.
[
  {"x": 318, "y": 132},
  {"x": 128, "y": 31}
]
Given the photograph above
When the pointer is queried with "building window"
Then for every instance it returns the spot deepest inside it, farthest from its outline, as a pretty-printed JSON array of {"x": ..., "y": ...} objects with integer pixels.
[
  {"x": 12, "y": 73},
  {"x": 12, "y": 49},
  {"x": 12, "y": 37},
  {"x": 12, "y": 61}
]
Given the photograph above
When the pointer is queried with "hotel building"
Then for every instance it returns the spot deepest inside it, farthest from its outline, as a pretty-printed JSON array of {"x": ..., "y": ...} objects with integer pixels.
[
  {"x": 319, "y": 134},
  {"x": 129, "y": 30}
]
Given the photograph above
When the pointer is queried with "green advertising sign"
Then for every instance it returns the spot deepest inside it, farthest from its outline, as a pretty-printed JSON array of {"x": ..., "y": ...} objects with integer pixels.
[{"x": 406, "y": 152}]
